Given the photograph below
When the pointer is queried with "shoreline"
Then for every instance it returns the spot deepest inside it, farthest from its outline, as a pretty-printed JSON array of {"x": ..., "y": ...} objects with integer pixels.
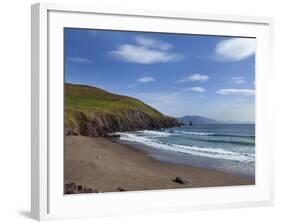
[
  {"x": 177, "y": 158},
  {"x": 107, "y": 165}
]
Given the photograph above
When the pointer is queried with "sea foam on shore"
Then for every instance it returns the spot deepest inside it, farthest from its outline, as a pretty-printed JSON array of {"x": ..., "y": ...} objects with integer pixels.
[{"x": 232, "y": 145}]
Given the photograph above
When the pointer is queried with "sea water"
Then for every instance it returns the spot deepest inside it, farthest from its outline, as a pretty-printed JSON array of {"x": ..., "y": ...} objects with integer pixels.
[{"x": 225, "y": 147}]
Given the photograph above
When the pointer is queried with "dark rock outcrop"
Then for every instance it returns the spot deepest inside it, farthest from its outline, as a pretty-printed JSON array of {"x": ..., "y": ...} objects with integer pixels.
[
  {"x": 101, "y": 124},
  {"x": 182, "y": 180},
  {"x": 197, "y": 120},
  {"x": 121, "y": 189},
  {"x": 72, "y": 188}
]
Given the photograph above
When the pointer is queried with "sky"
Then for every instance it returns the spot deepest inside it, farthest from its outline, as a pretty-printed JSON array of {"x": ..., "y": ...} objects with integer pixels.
[{"x": 178, "y": 74}]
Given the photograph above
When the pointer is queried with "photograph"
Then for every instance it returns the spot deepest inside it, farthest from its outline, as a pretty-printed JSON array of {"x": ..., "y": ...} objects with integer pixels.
[{"x": 154, "y": 111}]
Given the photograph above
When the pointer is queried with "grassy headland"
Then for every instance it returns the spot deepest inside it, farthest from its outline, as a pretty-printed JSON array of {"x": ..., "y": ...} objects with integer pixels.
[{"x": 94, "y": 112}]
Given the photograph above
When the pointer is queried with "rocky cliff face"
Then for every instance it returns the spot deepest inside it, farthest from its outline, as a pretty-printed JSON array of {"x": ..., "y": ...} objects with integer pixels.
[
  {"x": 93, "y": 112},
  {"x": 102, "y": 124}
]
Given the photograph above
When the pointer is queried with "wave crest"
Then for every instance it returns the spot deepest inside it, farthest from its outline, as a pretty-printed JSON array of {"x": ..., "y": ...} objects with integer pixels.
[
  {"x": 216, "y": 153},
  {"x": 157, "y": 133}
]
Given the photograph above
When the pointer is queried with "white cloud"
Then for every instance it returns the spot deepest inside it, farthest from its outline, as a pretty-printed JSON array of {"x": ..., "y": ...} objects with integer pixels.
[
  {"x": 152, "y": 43},
  {"x": 196, "y": 89},
  {"x": 146, "y": 79},
  {"x": 238, "y": 80},
  {"x": 235, "y": 49},
  {"x": 79, "y": 60},
  {"x": 144, "y": 55},
  {"x": 142, "y": 80},
  {"x": 193, "y": 78},
  {"x": 146, "y": 51},
  {"x": 246, "y": 92}
]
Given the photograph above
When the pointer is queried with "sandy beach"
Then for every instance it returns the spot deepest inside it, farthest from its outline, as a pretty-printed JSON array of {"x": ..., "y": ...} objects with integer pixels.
[{"x": 104, "y": 165}]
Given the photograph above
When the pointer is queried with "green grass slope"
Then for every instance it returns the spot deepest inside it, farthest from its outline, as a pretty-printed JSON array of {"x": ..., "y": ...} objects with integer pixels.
[{"x": 92, "y": 111}]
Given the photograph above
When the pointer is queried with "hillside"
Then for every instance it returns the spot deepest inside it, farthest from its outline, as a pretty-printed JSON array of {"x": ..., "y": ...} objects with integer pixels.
[
  {"x": 197, "y": 120},
  {"x": 90, "y": 111}
]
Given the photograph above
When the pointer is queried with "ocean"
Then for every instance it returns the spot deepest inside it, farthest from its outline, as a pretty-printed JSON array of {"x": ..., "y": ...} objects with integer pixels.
[{"x": 225, "y": 147}]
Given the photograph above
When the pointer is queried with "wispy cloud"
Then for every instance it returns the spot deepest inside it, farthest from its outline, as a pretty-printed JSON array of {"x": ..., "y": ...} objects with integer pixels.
[
  {"x": 196, "y": 89},
  {"x": 153, "y": 43},
  {"x": 79, "y": 60},
  {"x": 142, "y": 80},
  {"x": 245, "y": 92},
  {"x": 235, "y": 49},
  {"x": 193, "y": 78},
  {"x": 146, "y": 51},
  {"x": 146, "y": 79},
  {"x": 238, "y": 80},
  {"x": 144, "y": 55}
]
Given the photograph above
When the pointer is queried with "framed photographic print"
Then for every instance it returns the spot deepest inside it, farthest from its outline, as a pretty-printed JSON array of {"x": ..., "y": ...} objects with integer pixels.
[{"x": 145, "y": 111}]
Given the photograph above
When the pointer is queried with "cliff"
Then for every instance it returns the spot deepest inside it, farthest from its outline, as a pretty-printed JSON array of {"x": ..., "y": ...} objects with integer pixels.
[{"x": 90, "y": 111}]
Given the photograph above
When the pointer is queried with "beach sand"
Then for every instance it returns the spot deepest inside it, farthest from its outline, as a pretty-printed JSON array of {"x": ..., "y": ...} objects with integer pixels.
[{"x": 105, "y": 165}]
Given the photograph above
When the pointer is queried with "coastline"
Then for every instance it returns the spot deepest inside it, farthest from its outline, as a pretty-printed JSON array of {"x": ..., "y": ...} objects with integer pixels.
[
  {"x": 106, "y": 165},
  {"x": 231, "y": 167}
]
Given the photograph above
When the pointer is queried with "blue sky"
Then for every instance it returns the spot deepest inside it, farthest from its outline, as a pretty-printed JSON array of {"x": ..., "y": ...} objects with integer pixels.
[{"x": 179, "y": 75}]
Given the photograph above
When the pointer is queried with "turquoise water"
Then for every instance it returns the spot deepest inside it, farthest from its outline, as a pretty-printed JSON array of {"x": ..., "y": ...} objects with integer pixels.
[{"x": 227, "y": 147}]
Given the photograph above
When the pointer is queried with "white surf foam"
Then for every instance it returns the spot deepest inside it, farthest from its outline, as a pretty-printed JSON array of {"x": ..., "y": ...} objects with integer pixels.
[
  {"x": 216, "y": 153},
  {"x": 157, "y": 133},
  {"x": 194, "y": 133}
]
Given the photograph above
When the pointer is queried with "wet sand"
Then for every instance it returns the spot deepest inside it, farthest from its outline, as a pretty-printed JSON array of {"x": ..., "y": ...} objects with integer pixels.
[{"x": 104, "y": 165}]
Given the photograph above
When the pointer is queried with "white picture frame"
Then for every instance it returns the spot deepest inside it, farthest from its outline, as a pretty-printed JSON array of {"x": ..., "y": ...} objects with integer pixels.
[{"x": 48, "y": 201}]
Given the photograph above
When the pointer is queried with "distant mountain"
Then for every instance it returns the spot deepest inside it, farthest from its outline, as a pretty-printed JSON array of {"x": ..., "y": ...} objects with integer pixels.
[
  {"x": 90, "y": 111},
  {"x": 197, "y": 120},
  {"x": 236, "y": 122}
]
